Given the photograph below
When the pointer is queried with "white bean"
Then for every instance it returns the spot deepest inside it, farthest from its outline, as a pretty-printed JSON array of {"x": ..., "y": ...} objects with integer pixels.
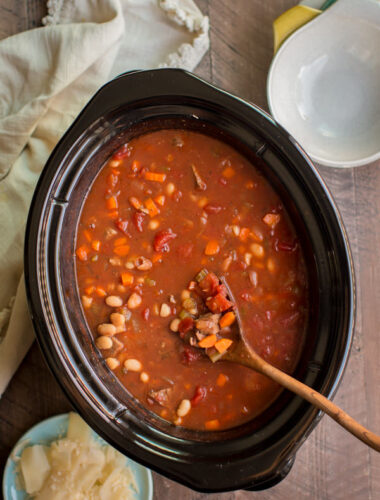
[
  {"x": 134, "y": 301},
  {"x": 112, "y": 363},
  {"x": 165, "y": 311},
  {"x": 117, "y": 319},
  {"x": 174, "y": 325},
  {"x": 143, "y": 264},
  {"x": 184, "y": 408},
  {"x": 132, "y": 365},
  {"x": 114, "y": 301},
  {"x": 107, "y": 329},
  {"x": 170, "y": 188},
  {"x": 86, "y": 301},
  {"x": 247, "y": 258},
  {"x": 103, "y": 342},
  {"x": 144, "y": 377},
  {"x": 257, "y": 250}
]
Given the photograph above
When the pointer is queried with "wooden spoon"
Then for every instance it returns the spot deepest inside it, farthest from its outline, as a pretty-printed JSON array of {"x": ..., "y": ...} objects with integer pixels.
[{"x": 243, "y": 354}]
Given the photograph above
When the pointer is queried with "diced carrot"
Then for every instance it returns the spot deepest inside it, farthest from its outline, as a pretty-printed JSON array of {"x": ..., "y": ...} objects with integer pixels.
[
  {"x": 113, "y": 215},
  {"x": 121, "y": 250},
  {"x": 82, "y": 253},
  {"x": 135, "y": 202},
  {"x": 127, "y": 278},
  {"x": 89, "y": 290},
  {"x": 120, "y": 241},
  {"x": 227, "y": 319},
  {"x": 249, "y": 185},
  {"x": 244, "y": 233},
  {"x": 208, "y": 341},
  {"x": 156, "y": 177},
  {"x": 160, "y": 200},
  {"x": 221, "y": 380},
  {"x": 151, "y": 206},
  {"x": 222, "y": 345},
  {"x": 271, "y": 220},
  {"x": 170, "y": 158},
  {"x": 96, "y": 245},
  {"x": 212, "y": 248},
  {"x": 228, "y": 172},
  {"x": 87, "y": 235},
  {"x": 111, "y": 203},
  {"x": 212, "y": 425},
  {"x": 136, "y": 166},
  {"x": 100, "y": 291},
  {"x": 115, "y": 172}
]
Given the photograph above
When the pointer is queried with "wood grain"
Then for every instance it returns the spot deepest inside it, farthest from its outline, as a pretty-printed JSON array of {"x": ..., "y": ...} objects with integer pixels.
[{"x": 331, "y": 465}]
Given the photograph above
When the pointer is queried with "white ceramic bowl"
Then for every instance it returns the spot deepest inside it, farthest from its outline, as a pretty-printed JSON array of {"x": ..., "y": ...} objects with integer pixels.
[{"x": 324, "y": 84}]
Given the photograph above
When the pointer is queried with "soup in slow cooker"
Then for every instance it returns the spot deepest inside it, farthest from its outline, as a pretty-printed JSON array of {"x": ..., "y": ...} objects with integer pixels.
[{"x": 169, "y": 214}]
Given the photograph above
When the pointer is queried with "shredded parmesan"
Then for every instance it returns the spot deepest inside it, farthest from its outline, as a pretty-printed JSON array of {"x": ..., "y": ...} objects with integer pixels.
[{"x": 77, "y": 467}]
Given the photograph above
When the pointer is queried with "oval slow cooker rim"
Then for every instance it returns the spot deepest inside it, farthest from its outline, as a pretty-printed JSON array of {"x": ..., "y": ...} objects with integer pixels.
[{"x": 29, "y": 268}]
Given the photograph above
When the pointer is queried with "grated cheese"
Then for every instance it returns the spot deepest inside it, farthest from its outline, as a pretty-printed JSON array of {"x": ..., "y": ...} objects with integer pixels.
[{"x": 76, "y": 467}]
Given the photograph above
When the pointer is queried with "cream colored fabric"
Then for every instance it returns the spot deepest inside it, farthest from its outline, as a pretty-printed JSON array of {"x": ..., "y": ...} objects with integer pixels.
[{"x": 46, "y": 76}]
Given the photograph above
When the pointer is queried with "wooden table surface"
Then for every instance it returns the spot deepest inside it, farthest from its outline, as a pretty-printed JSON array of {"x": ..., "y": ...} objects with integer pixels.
[{"x": 331, "y": 464}]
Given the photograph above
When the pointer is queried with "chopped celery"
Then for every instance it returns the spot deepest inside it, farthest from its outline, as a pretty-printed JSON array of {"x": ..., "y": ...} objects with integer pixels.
[
  {"x": 184, "y": 314},
  {"x": 201, "y": 275},
  {"x": 214, "y": 355}
]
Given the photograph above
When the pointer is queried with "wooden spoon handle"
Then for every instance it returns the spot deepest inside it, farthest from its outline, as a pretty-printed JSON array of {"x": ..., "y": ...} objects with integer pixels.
[{"x": 368, "y": 437}]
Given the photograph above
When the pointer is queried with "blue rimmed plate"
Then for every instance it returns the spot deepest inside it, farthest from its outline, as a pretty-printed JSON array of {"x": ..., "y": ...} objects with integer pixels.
[{"x": 45, "y": 433}]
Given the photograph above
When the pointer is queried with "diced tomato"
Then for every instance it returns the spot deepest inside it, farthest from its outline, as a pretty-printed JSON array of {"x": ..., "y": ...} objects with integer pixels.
[
  {"x": 185, "y": 251},
  {"x": 218, "y": 303},
  {"x": 122, "y": 225},
  {"x": 209, "y": 284},
  {"x": 199, "y": 395},
  {"x": 186, "y": 325},
  {"x": 222, "y": 290},
  {"x": 162, "y": 239},
  {"x": 138, "y": 219},
  {"x": 211, "y": 208},
  {"x": 122, "y": 152},
  {"x": 189, "y": 355},
  {"x": 285, "y": 246}
]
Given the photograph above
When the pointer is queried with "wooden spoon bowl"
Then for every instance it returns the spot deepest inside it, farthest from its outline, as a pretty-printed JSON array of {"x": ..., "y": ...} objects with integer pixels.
[{"x": 243, "y": 354}]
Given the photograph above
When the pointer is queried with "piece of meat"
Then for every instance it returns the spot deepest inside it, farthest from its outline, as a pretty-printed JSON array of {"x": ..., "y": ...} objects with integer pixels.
[
  {"x": 208, "y": 323},
  {"x": 161, "y": 396},
  {"x": 161, "y": 240},
  {"x": 209, "y": 284},
  {"x": 198, "y": 179}
]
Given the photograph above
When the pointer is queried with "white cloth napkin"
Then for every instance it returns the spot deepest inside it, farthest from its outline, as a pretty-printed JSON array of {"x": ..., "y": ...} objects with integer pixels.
[{"x": 46, "y": 77}]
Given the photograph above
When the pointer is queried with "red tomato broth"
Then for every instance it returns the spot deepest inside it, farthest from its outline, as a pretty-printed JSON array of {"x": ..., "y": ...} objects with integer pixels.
[{"x": 272, "y": 304}]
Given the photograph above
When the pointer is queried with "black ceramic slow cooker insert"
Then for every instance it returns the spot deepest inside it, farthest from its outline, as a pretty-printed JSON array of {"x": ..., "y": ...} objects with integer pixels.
[{"x": 255, "y": 455}]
